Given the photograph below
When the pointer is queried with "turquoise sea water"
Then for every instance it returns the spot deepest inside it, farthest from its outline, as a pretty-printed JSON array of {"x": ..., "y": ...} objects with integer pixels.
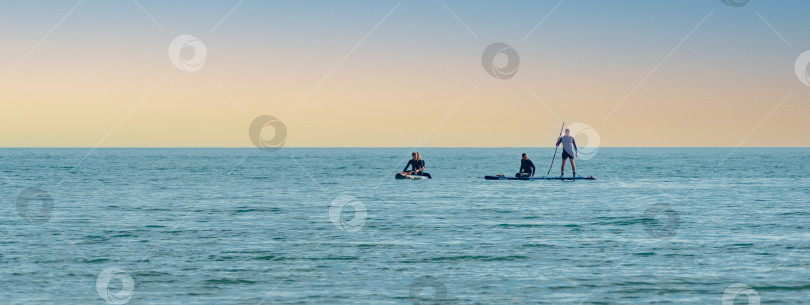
[{"x": 326, "y": 226}]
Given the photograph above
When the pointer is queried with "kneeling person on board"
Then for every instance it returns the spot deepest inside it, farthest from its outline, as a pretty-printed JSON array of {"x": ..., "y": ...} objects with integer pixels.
[
  {"x": 421, "y": 165},
  {"x": 569, "y": 151},
  {"x": 526, "y": 167},
  {"x": 415, "y": 165}
]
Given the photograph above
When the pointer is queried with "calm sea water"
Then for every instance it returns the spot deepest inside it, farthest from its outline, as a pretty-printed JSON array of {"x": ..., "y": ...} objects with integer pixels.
[{"x": 324, "y": 226}]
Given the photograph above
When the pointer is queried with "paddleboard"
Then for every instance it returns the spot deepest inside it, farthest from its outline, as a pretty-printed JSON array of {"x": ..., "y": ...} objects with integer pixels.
[
  {"x": 538, "y": 178},
  {"x": 414, "y": 177}
]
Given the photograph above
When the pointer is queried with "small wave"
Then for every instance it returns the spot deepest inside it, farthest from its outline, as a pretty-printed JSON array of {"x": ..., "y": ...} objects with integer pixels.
[
  {"x": 783, "y": 288},
  {"x": 537, "y": 245},
  {"x": 520, "y": 225},
  {"x": 481, "y": 258},
  {"x": 268, "y": 258},
  {"x": 153, "y": 273},
  {"x": 228, "y": 281}
]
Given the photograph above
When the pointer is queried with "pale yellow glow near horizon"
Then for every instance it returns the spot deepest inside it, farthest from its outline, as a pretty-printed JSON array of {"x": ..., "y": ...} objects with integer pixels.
[{"x": 190, "y": 110}]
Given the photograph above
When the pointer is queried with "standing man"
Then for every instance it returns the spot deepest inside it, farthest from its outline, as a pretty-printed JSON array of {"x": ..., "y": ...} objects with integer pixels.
[
  {"x": 526, "y": 167},
  {"x": 569, "y": 151}
]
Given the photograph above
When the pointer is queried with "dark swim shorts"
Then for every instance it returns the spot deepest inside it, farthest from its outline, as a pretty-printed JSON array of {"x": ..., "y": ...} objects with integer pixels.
[{"x": 565, "y": 155}]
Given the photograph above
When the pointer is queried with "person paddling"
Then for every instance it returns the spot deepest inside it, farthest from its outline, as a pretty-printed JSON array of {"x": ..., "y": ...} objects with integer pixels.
[
  {"x": 526, "y": 167},
  {"x": 569, "y": 151},
  {"x": 421, "y": 165}
]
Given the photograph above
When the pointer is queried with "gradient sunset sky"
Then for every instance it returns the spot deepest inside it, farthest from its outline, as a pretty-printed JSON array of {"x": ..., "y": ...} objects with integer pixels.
[{"x": 403, "y": 74}]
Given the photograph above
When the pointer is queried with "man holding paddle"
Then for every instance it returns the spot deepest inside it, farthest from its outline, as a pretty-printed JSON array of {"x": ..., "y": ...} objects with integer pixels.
[{"x": 569, "y": 151}]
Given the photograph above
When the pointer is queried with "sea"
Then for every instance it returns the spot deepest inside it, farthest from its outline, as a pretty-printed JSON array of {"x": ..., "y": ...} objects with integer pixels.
[{"x": 332, "y": 226}]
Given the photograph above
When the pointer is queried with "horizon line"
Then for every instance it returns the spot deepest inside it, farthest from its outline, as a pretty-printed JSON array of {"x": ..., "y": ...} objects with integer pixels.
[{"x": 332, "y": 147}]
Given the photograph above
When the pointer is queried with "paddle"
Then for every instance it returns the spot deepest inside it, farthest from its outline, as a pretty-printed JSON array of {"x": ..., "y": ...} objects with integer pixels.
[{"x": 555, "y": 151}]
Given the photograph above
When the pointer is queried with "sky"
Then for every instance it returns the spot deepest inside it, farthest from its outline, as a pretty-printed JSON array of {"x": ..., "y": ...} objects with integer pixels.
[{"x": 378, "y": 73}]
